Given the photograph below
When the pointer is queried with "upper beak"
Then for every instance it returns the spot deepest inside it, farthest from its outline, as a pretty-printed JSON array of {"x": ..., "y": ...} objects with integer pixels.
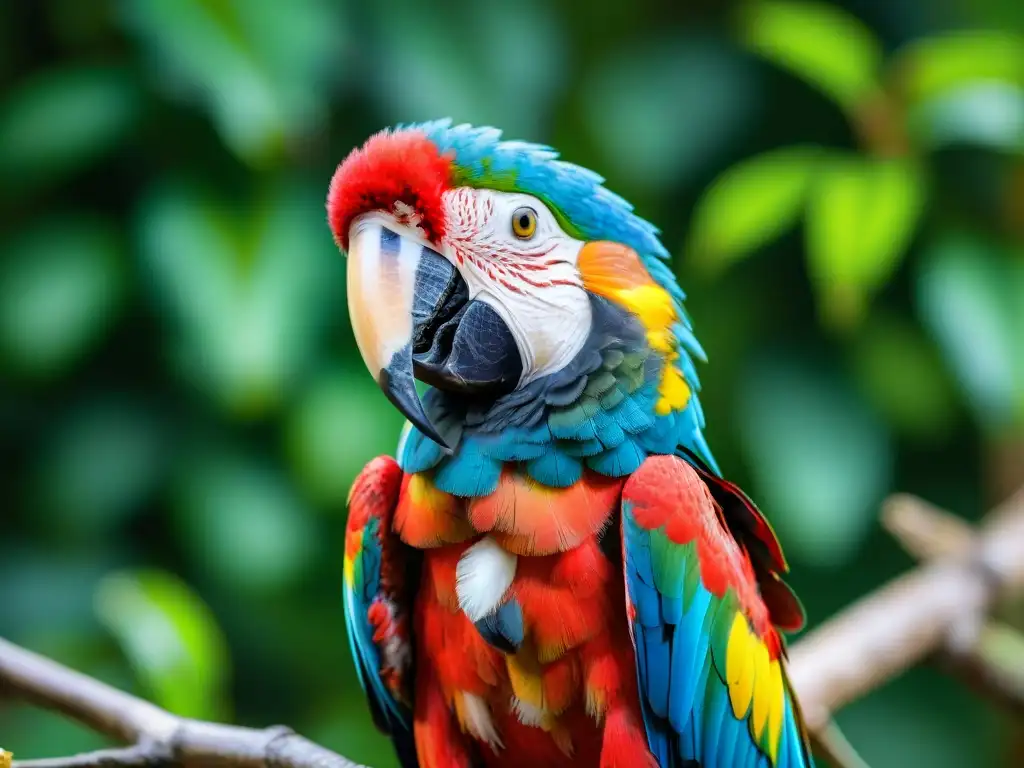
[
  {"x": 412, "y": 316},
  {"x": 385, "y": 272}
]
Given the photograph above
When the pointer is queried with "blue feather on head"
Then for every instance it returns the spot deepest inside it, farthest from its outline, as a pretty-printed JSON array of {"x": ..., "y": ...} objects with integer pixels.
[{"x": 610, "y": 435}]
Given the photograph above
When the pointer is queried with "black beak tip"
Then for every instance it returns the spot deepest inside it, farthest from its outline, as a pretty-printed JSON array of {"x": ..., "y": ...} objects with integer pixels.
[{"x": 401, "y": 391}]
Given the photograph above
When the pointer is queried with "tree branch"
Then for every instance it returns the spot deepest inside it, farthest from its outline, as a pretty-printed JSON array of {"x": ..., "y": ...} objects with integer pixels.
[
  {"x": 158, "y": 737},
  {"x": 939, "y": 608},
  {"x": 135, "y": 756},
  {"x": 988, "y": 656}
]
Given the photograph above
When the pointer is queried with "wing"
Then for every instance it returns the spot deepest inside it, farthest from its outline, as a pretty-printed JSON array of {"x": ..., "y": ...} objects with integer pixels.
[
  {"x": 710, "y": 662},
  {"x": 755, "y": 535},
  {"x": 378, "y": 602}
]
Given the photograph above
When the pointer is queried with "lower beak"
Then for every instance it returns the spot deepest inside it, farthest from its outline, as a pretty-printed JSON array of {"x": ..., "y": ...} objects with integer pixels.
[{"x": 412, "y": 316}]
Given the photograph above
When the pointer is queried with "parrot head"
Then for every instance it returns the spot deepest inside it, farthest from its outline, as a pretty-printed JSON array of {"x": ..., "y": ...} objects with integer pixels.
[{"x": 534, "y": 304}]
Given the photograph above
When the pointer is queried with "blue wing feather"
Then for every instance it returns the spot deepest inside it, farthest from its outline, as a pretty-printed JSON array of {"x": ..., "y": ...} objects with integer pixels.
[{"x": 684, "y": 634}]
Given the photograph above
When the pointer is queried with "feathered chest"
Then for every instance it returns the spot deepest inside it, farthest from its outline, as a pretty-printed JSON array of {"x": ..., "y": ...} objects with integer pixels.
[
  {"x": 520, "y": 608},
  {"x": 521, "y": 516},
  {"x": 514, "y": 553}
]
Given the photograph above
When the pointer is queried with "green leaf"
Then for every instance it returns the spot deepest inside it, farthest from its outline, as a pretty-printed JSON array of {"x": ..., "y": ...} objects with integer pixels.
[
  {"x": 248, "y": 288},
  {"x": 903, "y": 375},
  {"x": 861, "y": 216},
  {"x": 821, "y": 459},
  {"x": 925, "y": 69},
  {"x": 60, "y": 285},
  {"x": 660, "y": 112},
  {"x": 262, "y": 70},
  {"x": 971, "y": 298},
  {"x": 989, "y": 115},
  {"x": 321, "y": 449},
  {"x": 751, "y": 204},
  {"x": 242, "y": 521},
  {"x": 821, "y": 44},
  {"x": 171, "y": 639},
  {"x": 58, "y": 121}
]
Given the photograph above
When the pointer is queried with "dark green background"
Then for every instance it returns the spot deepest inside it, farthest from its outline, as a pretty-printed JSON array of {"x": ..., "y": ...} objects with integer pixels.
[{"x": 182, "y": 405}]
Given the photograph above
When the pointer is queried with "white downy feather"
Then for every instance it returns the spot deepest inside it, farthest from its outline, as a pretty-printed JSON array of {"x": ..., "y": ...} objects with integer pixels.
[{"x": 482, "y": 577}]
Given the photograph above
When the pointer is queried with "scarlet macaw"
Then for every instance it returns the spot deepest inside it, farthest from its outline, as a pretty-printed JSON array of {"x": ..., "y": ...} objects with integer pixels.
[{"x": 553, "y": 572}]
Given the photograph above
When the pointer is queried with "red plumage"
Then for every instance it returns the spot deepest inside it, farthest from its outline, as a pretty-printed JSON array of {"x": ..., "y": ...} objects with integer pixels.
[
  {"x": 391, "y": 167},
  {"x": 568, "y": 695},
  {"x": 661, "y": 492},
  {"x": 575, "y": 670}
]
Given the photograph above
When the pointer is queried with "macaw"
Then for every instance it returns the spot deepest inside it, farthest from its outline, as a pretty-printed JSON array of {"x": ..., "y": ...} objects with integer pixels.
[{"x": 553, "y": 571}]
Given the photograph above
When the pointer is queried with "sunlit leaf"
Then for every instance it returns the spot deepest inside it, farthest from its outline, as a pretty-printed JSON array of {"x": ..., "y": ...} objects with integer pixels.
[
  {"x": 97, "y": 468},
  {"x": 489, "y": 77},
  {"x": 661, "y": 111},
  {"x": 248, "y": 288},
  {"x": 822, "y": 44},
  {"x": 60, "y": 284},
  {"x": 989, "y": 115},
  {"x": 903, "y": 375},
  {"x": 932, "y": 66},
  {"x": 60, "y": 120},
  {"x": 261, "y": 69},
  {"x": 751, "y": 204},
  {"x": 171, "y": 639},
  {"x": 338, "y": 425},
  {"x": 972, "y": 299},
  {"x": 861, "y": 217},
  {"x": 242, "y": 522},
  {"x": 821, "y": 459}
]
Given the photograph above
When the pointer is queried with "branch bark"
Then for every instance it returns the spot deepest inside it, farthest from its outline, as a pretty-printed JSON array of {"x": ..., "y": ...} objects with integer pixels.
[
  {"x": 940, "y": 607},
  {"x": 157, "y": 737}
]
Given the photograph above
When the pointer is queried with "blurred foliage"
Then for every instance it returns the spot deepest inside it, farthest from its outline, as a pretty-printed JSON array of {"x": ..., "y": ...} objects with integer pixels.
[
  {"x": 182, "y": 405},
  {"x": 862, "y": 210}
]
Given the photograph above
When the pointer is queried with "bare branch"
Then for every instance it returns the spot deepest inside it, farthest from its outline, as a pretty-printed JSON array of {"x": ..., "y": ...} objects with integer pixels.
[
  {"x": 158, "y": 735},
  {"x": 924, "y": 530},
  {"x": 992, "y": 666},
  {"x": 137, "y": 756},
  {"x": 913, "y": 616},
  {"x": 985, "y": 656}
]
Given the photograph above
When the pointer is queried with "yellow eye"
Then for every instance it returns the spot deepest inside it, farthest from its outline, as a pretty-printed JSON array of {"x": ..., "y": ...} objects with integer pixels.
[{"x": 524, "y": 223}]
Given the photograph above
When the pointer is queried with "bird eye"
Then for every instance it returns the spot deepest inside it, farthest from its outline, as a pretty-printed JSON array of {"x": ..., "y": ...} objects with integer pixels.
[{"x": 524, "y": 223}]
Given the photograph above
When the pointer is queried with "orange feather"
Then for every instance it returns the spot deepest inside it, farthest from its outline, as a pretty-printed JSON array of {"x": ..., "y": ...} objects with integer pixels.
[
  {"x": 527, "y": 518},
  {"x": 427, "y": 517}
]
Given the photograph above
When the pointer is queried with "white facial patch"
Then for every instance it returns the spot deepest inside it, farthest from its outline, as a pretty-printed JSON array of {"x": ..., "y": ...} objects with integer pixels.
[{"x": 532, "y": 283}]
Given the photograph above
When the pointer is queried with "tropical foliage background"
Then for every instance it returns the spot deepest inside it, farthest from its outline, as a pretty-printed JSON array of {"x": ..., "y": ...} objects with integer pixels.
[{"x": 182, "y": 406}]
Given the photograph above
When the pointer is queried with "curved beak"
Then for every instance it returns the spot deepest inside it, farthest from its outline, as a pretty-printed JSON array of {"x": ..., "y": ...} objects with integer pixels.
[
  {"x": 413, "y": 318},
  {"x": 386, "y": 274}
]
